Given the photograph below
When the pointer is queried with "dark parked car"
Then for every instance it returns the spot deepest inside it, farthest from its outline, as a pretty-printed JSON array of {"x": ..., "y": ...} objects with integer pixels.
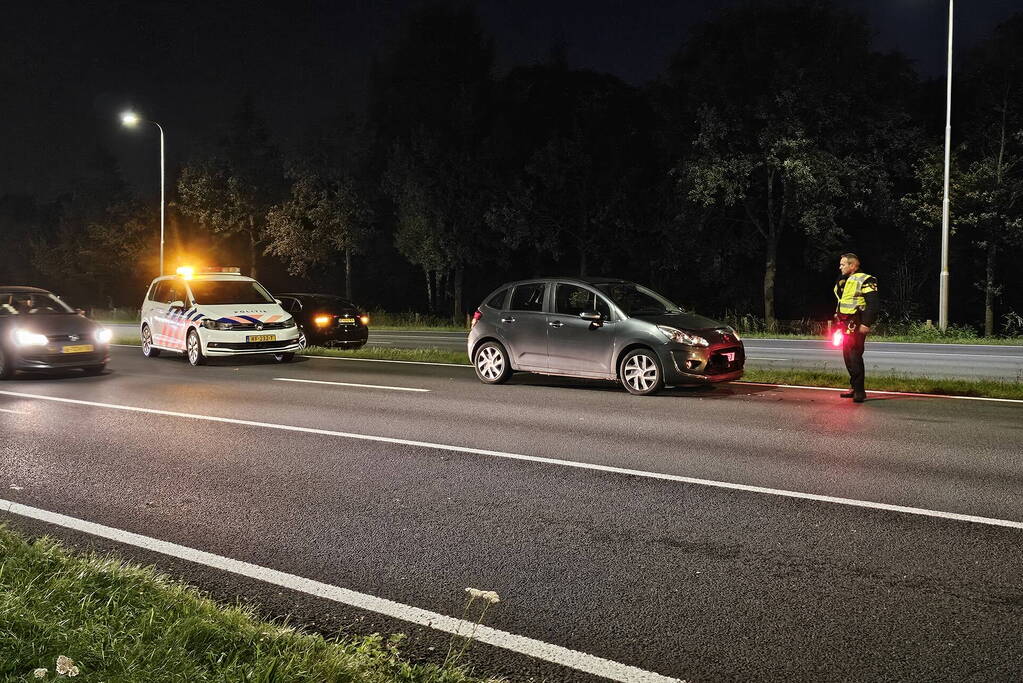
[
  {"x": 602, "y": 329},
  {"x": 38, "y": 331},
  {"x": 327, "y": 320}
]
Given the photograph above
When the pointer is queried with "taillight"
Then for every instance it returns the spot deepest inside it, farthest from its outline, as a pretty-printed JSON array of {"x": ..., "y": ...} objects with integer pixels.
[{"x": 476, "y": 318}]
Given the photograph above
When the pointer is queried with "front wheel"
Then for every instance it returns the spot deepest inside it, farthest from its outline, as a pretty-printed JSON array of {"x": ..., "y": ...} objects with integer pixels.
[
  {"x": 193, "y": 349},
  {"x": 641, "y": 373},
  {"x": 491, "y": 363},
  {"x": 148, "y": 350},
  {"x": 6, "y": 365}
]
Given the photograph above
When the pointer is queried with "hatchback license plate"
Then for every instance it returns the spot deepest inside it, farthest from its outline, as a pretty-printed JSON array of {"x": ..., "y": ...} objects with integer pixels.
[
  {"x": 348, "y": 321},
  {"x": 81, "y": 348},
  {"x": 730, "y": 356},
  {"x": 261, "y": 337}
]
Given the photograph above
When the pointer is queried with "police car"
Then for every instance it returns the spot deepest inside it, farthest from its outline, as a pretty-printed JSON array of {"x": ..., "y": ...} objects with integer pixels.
[{"x": 215, "y": 312}]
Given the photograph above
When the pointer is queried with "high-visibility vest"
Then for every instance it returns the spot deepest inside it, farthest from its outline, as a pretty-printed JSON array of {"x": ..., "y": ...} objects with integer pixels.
[{"x": 851, "y": 299}]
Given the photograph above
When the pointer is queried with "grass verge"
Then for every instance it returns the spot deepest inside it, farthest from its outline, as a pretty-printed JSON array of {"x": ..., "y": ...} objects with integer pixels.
[
  {"x": 122, "y": 622},
  {"x": 813, "y": 378},
  {"x": 915, "y": 385}
]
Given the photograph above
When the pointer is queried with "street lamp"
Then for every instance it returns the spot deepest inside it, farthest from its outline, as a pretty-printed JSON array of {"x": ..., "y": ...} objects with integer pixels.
[
  {"x": 130, "y": 119},
  {"x": 943, "y": 283}
]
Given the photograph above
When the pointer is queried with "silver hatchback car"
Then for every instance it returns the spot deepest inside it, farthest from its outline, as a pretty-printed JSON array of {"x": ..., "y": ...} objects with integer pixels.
[{"x": 601, "y": 329}]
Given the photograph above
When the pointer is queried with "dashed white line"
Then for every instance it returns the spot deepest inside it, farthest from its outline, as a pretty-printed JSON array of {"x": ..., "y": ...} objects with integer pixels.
[
  {"x": 350, "y": 384},
  {"x": 573, "y": 659},
  {"x": 888, "y": 507}
]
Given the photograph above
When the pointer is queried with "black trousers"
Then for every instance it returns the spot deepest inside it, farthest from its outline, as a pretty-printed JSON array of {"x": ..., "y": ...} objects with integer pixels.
[{"x": 852, "y": 352}]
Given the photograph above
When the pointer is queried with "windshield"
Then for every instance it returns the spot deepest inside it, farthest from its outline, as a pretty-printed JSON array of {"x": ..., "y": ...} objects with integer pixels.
[
  {"x": 32, "y": 303},
  {"x": 634, "y": 299},
  {"x": 222, "y": 292}
]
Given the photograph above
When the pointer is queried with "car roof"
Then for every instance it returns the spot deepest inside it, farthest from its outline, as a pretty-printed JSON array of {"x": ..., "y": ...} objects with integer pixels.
[
  {"x": 17, "y": 289},
  {"x": 592, "y": 281}
]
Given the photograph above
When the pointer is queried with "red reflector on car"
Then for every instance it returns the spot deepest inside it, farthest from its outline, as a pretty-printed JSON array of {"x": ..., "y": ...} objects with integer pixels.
[{"x": 476, "y": 318}]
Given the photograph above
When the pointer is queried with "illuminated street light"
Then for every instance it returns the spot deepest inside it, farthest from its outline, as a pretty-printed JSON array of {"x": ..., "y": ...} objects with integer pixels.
[{"x": 130, "y": 119}]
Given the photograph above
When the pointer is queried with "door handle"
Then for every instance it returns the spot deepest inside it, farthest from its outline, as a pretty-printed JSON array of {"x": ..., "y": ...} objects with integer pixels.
[
  {"x": 507, "y": 320},
  {"x": 556, "y": 323}
]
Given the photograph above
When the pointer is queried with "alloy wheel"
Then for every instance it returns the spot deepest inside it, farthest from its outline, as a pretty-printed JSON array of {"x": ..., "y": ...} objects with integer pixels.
[
  {"x": 490, "y": 363},
  {"x": 640, "y": 373}
]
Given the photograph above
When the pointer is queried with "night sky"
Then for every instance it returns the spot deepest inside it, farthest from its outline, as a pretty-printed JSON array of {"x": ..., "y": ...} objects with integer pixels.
[{"x": 69, "y": 67}]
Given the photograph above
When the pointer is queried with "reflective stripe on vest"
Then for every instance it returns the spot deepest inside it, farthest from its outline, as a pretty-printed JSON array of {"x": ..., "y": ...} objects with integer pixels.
[{"x": 851, "y": 298}]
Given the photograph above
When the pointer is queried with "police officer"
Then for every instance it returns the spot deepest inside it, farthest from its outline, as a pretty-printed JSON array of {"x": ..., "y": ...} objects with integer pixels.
[{"x": 858, "y": 307}]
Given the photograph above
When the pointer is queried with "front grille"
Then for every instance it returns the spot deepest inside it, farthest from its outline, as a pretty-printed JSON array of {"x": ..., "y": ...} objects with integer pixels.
[
  {"x": 251, "y": 346},
  {"x": 266, "y": 326},
  {"x": 67, "y": 338},
  {"x": 718, "y": 364}
]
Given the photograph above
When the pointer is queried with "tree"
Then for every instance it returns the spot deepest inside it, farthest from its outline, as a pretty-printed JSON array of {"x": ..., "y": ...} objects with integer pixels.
[
  {"x": 323, "y": 218},
  {"x": 786, "y": 100},
  {"x": 230, "y": 192},
  {"x": 432, "y": 110}
]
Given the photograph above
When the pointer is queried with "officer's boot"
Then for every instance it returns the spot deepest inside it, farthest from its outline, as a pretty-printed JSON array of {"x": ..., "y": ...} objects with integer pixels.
[{"x": 848, "y": 394}]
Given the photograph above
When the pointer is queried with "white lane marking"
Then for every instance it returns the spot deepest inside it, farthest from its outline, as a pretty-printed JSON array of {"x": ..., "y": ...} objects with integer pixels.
[
  {"x": 13, "y": 412},
  {"x": 540, "y": 459},
  {"x": 992, "y": 356},
  {"x": 780, "y": 386},
  {"x": 537, "y": 649},
  {"x": 886, "y": 393},
  {"x": 764, "y": 358},
  {"x": 349, "y": 384},
  {"x": 373, "y": 341},
  {"x": 383, "y": 360},
  {"x": 824, "y": 342}
]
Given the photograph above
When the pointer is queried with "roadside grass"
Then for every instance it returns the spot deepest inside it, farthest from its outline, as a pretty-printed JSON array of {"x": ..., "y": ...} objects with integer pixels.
[
  {"x": 914, "y": 385},
  {"x": 119, "y": 621},
  {"x": 815, "y": 378}
]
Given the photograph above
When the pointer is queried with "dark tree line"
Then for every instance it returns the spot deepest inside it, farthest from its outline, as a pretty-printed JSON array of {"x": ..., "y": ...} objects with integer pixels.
[{"x": 776, "y": 139}]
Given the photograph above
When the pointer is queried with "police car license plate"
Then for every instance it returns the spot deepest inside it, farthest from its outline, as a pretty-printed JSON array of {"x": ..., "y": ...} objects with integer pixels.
[
  {"x": 81, "y": 348},
  {"x": 261, "y": 337},
  {"x": 347, "y": 321}
]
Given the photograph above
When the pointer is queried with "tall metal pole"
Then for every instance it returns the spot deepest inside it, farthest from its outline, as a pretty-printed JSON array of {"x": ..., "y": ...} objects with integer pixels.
[
  {"x": 162, "y": 198},
  {"x": 943, "y": 286}
]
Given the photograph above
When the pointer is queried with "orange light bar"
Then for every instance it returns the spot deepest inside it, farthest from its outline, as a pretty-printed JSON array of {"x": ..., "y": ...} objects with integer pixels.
[{"x": 186, "y": 272}]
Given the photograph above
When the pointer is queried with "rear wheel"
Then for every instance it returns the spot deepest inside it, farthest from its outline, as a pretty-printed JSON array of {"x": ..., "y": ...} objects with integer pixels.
[
  {"x": 193, "y": 349},
  {"x": 148, "y": 350},
  {"x": 640, "y": 373},
  {"x": 491, "y": 363},
  {"x": 6, "y": 365}
]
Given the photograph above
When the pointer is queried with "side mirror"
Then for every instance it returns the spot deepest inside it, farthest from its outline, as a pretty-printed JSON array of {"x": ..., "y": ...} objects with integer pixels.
[
  {"x": 177, "y": 304},
  {"x": 594, "y": 317},
  {"x": 279, "y": 302},
  {"x": 80, "y": 311}
]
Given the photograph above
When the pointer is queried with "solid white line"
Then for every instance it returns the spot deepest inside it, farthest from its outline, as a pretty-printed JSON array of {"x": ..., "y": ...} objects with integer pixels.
[
  {"x": 13, "y": 412},
  {"x": 764, "y": 358},
  {"x": 537, "y": 649},
  {"x": 540, "y": 459},
  {"x": 348, "y": 384},
  {"x": 887, "y": 393},
  {"x": 383, "y": 360},
  {"x": 374, "y": 341}
]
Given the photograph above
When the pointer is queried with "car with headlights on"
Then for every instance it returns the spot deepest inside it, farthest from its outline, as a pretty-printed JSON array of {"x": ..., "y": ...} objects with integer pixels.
[
  {"x": 215, "y": 312},
  {"x": 38, "y": 331},
  {"x": 327, "y": 320},
  {"x": 600, "y": 328}
]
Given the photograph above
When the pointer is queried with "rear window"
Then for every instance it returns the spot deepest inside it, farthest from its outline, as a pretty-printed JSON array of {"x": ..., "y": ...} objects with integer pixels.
[
  {"x": 528, "y": 297},
  {"x": 497, "y": 301}
]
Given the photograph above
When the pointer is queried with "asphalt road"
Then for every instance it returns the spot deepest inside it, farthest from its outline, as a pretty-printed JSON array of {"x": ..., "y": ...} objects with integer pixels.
[
  {"x": 1003, "y": 363},
  {"x": 685, "y": 579}
]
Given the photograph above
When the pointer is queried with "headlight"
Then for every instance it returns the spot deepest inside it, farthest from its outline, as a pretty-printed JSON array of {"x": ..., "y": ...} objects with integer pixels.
[
  {"x": 735, "y": 334},
  {"x": 680, "y": 337},
  {"x": 103, "y": 335},
  {"x": 289, "y": 323},
  {"x": 211, "y": 324},
  {"x": 26, "y": 338}
]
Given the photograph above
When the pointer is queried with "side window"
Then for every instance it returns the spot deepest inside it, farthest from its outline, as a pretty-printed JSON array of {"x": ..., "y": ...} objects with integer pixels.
[
  {"x": 528, "y": 297},
  {"x": 573, "y": 300},
  {"x": 288, "y": 304},
  {"x": 175, "y": 292},
  {"x": 497, "y": 301},
  {"x": 160, "y": 292}
]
